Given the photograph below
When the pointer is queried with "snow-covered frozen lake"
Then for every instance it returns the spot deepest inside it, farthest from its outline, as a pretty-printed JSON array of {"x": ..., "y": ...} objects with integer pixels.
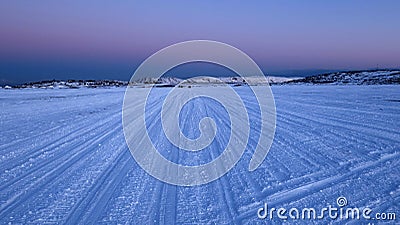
[{"x": 64, "y": 159}]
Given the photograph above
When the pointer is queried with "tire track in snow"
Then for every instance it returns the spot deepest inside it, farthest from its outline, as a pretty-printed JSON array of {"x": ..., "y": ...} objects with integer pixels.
[
  {"x": 88, "y": 210},
  {"x": 60, "y": 156},
  {"x": 49, "y": 147},
  {"x": 310, "y": 188},
  {"x": 3, "y": 147},
  {"x": 29, "y": 191},
  {"x": 223, "y": 185}
]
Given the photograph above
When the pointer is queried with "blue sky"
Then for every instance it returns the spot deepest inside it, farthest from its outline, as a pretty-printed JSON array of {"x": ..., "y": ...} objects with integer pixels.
[{"x": 104, "y": 39}]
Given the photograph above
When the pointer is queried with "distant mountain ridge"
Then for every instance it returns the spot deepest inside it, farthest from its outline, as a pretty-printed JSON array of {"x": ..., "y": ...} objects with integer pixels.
[
  {"x": 160, "y": 82},
  {"x": 362, "y": 77},
  {"x": 172, "y": 81},
  {"x": 71, "y": 84}
]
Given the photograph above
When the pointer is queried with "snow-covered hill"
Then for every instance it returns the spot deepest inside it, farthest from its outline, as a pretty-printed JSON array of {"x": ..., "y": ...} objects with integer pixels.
[
  {"x": 58, "y": 84},
  {"x": 371, "y": 77},
  {"x": 162, "y": 82},
  {"x": 238, "y": 81}
]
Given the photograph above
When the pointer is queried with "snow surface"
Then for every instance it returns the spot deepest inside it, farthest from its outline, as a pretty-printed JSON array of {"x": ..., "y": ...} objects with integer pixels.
[{"x": 63, "y": 158}]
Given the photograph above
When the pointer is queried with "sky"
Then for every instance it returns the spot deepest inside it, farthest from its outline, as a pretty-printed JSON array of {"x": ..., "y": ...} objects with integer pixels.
[{"x": 42, "y": 40}]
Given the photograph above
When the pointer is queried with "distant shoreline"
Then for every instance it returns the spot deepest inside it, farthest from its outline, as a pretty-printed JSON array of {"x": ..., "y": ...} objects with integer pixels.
[{"x": 355, "y": 77}]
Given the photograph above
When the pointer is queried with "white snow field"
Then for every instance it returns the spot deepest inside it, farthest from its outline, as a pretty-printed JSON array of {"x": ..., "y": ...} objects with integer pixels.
[{"x": 64, "y": 159}]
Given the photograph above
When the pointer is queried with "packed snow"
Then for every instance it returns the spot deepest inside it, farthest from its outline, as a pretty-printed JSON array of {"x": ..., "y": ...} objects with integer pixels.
[{"x": 64, "y": 158}]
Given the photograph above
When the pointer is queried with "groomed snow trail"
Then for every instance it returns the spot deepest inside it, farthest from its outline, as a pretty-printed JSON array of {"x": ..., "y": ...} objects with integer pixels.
[{"x": 63, "y": 157}]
